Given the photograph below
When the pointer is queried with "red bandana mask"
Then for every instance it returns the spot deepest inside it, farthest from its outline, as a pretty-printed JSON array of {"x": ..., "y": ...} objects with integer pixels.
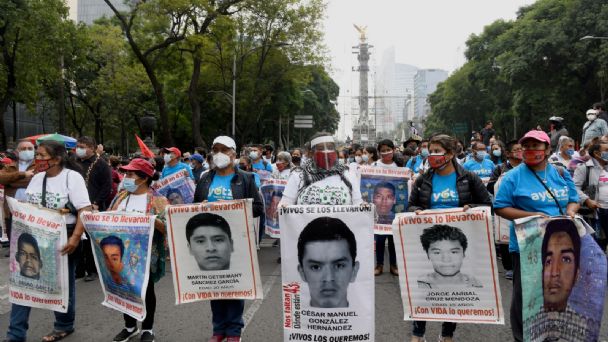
[
  {"x": 325, "y": 159},
  {"x": 534, "y": 157}
]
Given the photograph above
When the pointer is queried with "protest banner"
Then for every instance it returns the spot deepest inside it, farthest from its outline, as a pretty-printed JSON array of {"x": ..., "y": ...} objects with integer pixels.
[
  {"x": 38, "y": 272},
  {"x": 447, "y": 266},
  {"x": 178, "y": 188},
  {"x": 563, "y": 280},
  {"x": 213, "y": 251},
  {"x": 3, "y": 231},
  {"x": 387, "y": 189},
  {"x": 502, "y": 228},
  {"x": 121, "y": 244},
  {"x": 272, "y": 192},
  {"x": 327, "y": 264}
]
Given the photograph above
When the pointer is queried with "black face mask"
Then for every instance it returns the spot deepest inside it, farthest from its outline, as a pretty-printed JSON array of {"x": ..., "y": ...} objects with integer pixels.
[
  {"x": 243, "y": 167},
  {"x": 295, "y": 159}
]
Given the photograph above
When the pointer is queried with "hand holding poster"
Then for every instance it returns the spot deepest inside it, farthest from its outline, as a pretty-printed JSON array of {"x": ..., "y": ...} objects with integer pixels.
[
  {"x": 38, "y": 271},
  {"x": 272, "y": 192},
  {"x": 387, "y": 189},
  {"x": 327, "y": 271},
  {"x": 178, "y": 188},
  {"x": 447, "y": 268},
  {"x": 563, "y": 280},
  {"x": 213, "y": 252},
  {"x": 121, "y": 244}
]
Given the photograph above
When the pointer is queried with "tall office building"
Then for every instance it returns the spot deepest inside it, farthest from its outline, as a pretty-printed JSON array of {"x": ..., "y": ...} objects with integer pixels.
[
  {"x": 425, "y": 83},
  {"x": 87, "y": 11}
]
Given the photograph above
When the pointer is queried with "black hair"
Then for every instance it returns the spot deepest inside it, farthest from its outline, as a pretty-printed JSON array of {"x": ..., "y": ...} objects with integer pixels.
[
  {"x": 373, "y": 151},
  {"x": 510, "y": 145},
  {"x": 384, "y": 185},
  {"x": 449, "y": 144},
  {"x": 568, "y": 227},
  {"x": 113, "y": 240},
  {"x": 149, "y": 180},
  {"x": 159, "y": 163},
  {"x": 30, "y": 240},
  {"x": 385, "y": 142},
  {"x": 57, "y": 150},
  {"x": 440, "y": 232},
  {"x": 89, "y": 141},
  {"x": 268, "y": 148},
  {"x": 206, "y": 219},
  {"x": 326, "y": 229},
  {"x": 599, "y": 105}
]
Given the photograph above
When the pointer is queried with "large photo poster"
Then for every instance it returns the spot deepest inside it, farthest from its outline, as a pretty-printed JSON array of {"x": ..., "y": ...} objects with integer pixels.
[
  {"x": 272, "y": 192},
  {"x": 178, "y": 188},
  {"x": 38, "y": 272},
  {"x": 447, "y": 266},
  {"x": 121, "y": 244},
  {"x": 387, "y": 189},
  {"x": 327, "y": 273},
  {"x": 563, "y": 280},
  {"x": 213, "y": 251}
]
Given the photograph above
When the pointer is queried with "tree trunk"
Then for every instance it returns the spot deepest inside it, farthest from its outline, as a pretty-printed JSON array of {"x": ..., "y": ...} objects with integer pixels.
[
  {"x": 61, "y": 99},
  {"x": 195, "y": 104}
]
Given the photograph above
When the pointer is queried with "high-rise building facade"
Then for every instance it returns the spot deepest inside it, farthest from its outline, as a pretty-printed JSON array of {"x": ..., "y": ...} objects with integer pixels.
[
  {"x": 425, "y": 83},
  {"x": 87, "y": 11}
]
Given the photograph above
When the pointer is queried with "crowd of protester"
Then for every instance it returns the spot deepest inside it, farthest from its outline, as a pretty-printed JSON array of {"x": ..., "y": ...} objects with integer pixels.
[{"x": 448, "y": 173}]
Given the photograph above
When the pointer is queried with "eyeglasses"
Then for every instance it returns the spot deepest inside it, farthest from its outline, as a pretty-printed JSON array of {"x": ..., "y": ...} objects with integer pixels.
[{"x": 24, "y": 256}]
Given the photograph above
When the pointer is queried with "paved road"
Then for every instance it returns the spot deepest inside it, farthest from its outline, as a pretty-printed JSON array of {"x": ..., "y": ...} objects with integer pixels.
[{"x": 192, "y": 322}]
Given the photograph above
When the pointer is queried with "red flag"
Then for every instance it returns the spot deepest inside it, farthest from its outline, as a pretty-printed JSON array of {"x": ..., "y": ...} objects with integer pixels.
[{"x": 145, "y": 151}]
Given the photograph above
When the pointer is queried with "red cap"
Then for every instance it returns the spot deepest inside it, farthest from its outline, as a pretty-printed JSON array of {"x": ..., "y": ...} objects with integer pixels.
[
  {"x": 139, "y": 164},
  {"x": 536, "y": 135},
  {"x": 173, "y": 150}
]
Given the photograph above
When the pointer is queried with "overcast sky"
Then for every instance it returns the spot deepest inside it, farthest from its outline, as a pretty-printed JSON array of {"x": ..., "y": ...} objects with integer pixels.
[{"x": 425, "y": 33}]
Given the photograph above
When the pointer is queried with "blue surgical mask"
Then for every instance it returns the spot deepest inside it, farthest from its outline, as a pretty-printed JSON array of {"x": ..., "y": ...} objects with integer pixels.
[
  {"x": 129, "y": 185},
  {"x": 497, "y": 153},
  {"x": 424, "y": 152},
  {"x": 570, "y": 152},
  {"x": 605, "y": 156},
  {"x": 480, "y": 155}
]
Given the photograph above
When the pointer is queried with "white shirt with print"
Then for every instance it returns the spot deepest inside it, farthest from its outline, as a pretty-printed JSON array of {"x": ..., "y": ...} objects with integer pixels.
[{"x": 328, "y": 191}]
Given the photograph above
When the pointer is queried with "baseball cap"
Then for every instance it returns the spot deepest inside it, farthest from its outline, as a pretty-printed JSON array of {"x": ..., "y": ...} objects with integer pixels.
[
  {"x": 592, "y": 111},
  {"x": 556, "y": 118},
  {"x": 139, "y": 164},
  {"x": 173, "y": 150},
  {"x": 536, "y": 135},
  {"x": 197, "y": 157},
  {"x": 225, "y": 140}
]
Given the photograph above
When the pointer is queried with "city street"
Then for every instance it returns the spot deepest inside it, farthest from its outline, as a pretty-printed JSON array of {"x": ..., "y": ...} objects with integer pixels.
[{"x": 263, "y": 320}]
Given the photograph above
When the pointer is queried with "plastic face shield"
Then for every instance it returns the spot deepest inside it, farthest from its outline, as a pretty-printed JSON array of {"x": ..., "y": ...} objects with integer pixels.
[{"x": 325, "y": 155}]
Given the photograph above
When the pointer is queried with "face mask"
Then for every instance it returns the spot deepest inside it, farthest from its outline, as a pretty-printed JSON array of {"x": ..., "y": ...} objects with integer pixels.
[
  {"x": 358, "y": 159},
  {"x": 365, "y": 158},
  {"x": 295, "y": 159},
  {"x": 534, "y": 157},
  {"x": 43, "y": 165},
  {"x": 570, "y": 152},
  {"x": 591, "y": 117},
  {"x": 497, "y": 153},
  {"x": 81, "y": 152},
  {"x": 243, "y": 167},
  {"x": 387, "y": 156},
  {"x": 253, "y": 155},
  {"x": 351, "y": 160},
  {"x": 325, "y": 159},
  {"x": 605, "y": 156},
  {"x": 480, "y": 155},
  {"x": 167, "y": 158},
  {"x": 424, "y": 153},
  {"x": 129, "y": 184},
  {"x": 437, "y": 161},
  {"x": 220, "y": 160},
  {"x": 26, "y": 155}
]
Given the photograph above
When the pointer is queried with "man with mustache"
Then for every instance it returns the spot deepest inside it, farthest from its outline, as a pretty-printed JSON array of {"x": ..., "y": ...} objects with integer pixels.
[
  {"x": 327, "y": 252},
  {"x": 28, "y": 256}
]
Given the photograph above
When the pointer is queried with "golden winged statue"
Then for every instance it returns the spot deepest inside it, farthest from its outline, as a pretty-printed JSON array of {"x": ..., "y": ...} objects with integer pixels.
[{"x": 362, "y": 30}]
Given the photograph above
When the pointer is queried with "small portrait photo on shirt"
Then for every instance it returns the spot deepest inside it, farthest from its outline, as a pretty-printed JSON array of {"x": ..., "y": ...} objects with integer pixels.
[{"x": 387, "y": 189}]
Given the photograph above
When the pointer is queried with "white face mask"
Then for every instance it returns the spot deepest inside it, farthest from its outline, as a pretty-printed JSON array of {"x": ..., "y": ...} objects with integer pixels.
[
  {"x": 220, "y": 160},
  {"x": 253, "y": 155},
  {"x": 365, "y": 158},
  {"x": 358, "y": 159},
  {"x": 591, "y": 117},
  {"x": 81, "y": 152},
  {"x": 26, "y": 155},
  {"x": 167, "y": 157}
]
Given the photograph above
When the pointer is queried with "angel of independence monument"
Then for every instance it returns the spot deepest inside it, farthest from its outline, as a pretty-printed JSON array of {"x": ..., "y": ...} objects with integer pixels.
[{"x": 364, "y": 131}]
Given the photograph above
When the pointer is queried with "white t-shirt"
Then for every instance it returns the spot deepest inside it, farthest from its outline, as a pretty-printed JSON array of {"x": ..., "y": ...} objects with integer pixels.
[
  {"x": 603, "y": 189},
  {"x": 67, "y": 182},
  {"x": 380, "y": 163},
  {"x": 276, "y": 174},
  {"x": 328, "y": 191},
  {"x": 134, "y": 203}
]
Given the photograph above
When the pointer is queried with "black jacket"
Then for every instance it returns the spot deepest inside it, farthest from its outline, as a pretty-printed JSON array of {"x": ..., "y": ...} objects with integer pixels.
[
  {"x": 471, "y": 190},
  {"x": 99, "y": 181},
  {"x": 242, "y": 186},
  {"x": 499, "y": 170}
]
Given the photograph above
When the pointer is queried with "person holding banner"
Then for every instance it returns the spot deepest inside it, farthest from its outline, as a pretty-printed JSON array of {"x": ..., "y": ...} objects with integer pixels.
[
  {"x": 226, "y": 182},
  {"x": 445, "y": 185},
  {"x": 56, "y": 186},
  {"x": 533, "y": 188},
  {"x": 139, "y": 197},
  {"x": 173, "y": 164},
  {"x": 322, "y": 180}
]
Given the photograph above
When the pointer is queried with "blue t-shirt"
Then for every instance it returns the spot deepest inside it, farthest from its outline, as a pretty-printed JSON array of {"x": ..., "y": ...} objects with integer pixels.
[
  {"x": 482, "y": 169},
  {"x": 260, "y": 166},
  {"x": 220, "y": 188},
  {"x": 521, "y": 190},
  {"x": 445, "y": 193},
  {"x": 415, "y": 164},
  {"x": 498, "y": 161},
  {"x": 169, "y": 170}
]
